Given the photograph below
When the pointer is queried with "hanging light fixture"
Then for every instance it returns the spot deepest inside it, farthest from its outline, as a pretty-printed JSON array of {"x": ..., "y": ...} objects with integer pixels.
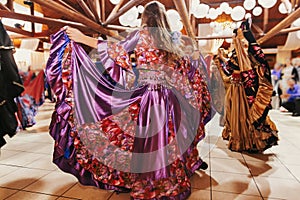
[
  {"x": 201, "y": 10},
  {"x": 248, "y": 15},
  {"x": 285, "y": 7},
  {"x": 173, "y": 15},
  {"x": 267, "y": 3},
  {"x": 175, "y": 20},
  {"x": 115, "y": 2},
  {"x": 228, "y": 10},
  {"x": 212, "y": 13},
  {"x": 224, "y": 6},
  {"x": 238, "y": 13},
  {"x": 257, "y": 11},
  {"x": 249, "y": 4},
  {"x": 176, "y": 25},
  {"x": 219, "y": 11},
  {"x": 129, "y": 18},
  {"x": 141, "y": 8}
]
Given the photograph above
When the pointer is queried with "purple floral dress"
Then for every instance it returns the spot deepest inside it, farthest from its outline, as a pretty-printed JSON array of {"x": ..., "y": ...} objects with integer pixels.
[{"x": 132, "y": 121}]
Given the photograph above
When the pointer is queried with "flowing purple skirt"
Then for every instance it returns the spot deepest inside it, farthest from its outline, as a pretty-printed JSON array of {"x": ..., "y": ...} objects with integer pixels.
[{"x": 141, "y": 140}]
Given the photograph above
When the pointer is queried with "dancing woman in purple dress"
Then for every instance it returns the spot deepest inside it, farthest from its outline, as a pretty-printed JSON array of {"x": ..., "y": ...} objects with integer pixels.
[{"x": 134, "y": 127}]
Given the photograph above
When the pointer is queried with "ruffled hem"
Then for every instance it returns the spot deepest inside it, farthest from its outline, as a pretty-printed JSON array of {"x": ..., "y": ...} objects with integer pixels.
[
  {"x": 260, "y": 107},
  {"x": 263, "y": 138},
  {"x": 64, "y": 155}
]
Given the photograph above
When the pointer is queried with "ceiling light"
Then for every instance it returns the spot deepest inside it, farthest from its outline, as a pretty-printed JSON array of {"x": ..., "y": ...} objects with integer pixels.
[
  {"x": 141, "y": 8},
  {"x": 248, "y": 15},
  {"x": 201, "y": 10},
  {"x": 257, "y": 11},
  {"x": 224, "y": 6},
  {"x": 212, "y": 13},
  {"x": 238, "y": 13},
  {"x": 249, "y": 4},
  {"x": 285, "y": 7},
  {"x": 115, "y": 2},
  {"x": 3, "y": 2},
  {"x": 267, "y": 3}
]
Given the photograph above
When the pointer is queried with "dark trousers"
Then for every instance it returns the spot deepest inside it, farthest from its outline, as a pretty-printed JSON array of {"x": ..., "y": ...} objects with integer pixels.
[
  {"x": 293, "y": 106},
  {"x": 289, "y": 105}
]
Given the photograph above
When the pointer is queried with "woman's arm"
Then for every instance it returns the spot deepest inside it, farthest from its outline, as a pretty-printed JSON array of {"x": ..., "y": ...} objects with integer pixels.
[{"x": 77, "y": 36}]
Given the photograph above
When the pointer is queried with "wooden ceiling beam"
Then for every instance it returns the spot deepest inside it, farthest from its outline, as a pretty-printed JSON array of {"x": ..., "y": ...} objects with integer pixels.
[
  {"x": 266, "y": 19},
  {"x": 3, "y": 7},
  {"x": 293, "y": 2},
  {"x": 115, "y": 10},
  {"x": 74, "y": 16},
  {"x": 86, "y": 9},
  {"x": 283, "y": 31},
  {"x": 283, "y": 24},
  {"x": 288, "y": 30},
  {"x": 10, "y": 4},
  {"x": 19, "y": 31},
  {"x": 123, "y": 10},
  {"x": 42, "y": 20},
  {"x": 213, "y": 37},
  {"x": 258, "y": 29},
  {"x": 119, "y": 28},
  {"x": 181, "y": 8},
  {"x": 102, "y": 10},
  {"x": 95, "y": 8},
  {"x": 67, "y": 5}
]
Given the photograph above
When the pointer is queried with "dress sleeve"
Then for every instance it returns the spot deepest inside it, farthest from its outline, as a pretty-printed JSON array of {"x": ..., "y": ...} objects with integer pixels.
[
  {"x": 189, "y": 79},
  {"x": 115, "y": 57},
  {"x": 255, "y": 50}
]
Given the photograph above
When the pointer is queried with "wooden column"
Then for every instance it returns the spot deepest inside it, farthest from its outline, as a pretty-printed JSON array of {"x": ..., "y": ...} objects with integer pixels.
[
  {"x": 283, "y": 24},
  {"x": 181, "y": 7}
]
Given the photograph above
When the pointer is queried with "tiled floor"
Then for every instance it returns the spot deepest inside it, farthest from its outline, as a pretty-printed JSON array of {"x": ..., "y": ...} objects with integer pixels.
[{"x": 26, "y": 170}]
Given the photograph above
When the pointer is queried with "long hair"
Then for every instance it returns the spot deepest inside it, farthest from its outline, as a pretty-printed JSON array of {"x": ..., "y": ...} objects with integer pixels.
[{"x": 155, "y": 19}]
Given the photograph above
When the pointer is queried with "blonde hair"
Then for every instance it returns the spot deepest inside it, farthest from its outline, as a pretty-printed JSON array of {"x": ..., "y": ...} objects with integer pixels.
[{"x": 155, "y": 19}]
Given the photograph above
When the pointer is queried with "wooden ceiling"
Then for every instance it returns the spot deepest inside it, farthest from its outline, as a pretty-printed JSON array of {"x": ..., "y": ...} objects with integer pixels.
[{"x": 101, "y": 16}]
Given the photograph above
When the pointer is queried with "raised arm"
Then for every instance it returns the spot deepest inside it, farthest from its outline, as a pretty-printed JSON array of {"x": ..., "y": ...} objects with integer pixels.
[{"x": 77, "y": 36}]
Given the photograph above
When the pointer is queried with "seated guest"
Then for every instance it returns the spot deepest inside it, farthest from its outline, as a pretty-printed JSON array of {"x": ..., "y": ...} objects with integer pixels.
[{"x": 293, "y": 97}]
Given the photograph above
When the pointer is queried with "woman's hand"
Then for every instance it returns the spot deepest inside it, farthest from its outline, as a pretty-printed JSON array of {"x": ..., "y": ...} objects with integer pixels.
[
  {"x": 74, "y": 34},
  {"x": 77, "y": 36}
]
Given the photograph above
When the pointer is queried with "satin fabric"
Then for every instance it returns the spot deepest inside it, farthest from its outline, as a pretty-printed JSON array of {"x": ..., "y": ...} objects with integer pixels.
[
  {"x": 89, "y": 125},
  {"x": 247, "y": 102}
]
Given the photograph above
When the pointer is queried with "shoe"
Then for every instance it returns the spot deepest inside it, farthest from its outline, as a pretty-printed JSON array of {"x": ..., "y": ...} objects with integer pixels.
[
  {"x": 282, "y": 109},
  {"x": 203, "y": 166},
  {"x": 296, "y": 114}
]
